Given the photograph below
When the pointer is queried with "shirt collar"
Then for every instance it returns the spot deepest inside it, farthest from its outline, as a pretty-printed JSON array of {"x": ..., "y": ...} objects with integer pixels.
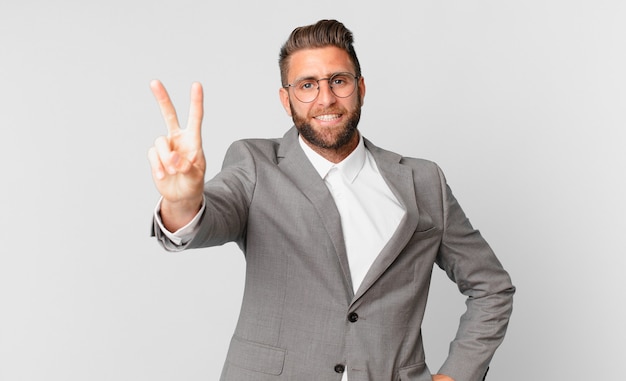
[{"x": 349, "y": 167}]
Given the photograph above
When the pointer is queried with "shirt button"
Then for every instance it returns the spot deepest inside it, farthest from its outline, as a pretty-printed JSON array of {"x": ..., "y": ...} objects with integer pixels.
[
  {"x": 353, "y": 317},
  {"x": 340, "y": 368}
]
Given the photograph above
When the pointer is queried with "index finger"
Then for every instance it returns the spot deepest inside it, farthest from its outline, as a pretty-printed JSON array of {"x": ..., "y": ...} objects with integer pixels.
[{"x": 165, "y": 104}]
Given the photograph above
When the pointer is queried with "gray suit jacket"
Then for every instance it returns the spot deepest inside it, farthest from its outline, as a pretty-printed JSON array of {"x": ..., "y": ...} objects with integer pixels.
[{"x": 300, "y": 319}]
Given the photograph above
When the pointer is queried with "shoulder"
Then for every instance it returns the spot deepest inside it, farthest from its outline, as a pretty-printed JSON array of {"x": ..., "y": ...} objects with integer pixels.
[
  {"x": 262, "y": 144},
  {"x": 415, "y": 163},
  {"x": 268, "y": 149},
  {"x": 256, "y": 148}
]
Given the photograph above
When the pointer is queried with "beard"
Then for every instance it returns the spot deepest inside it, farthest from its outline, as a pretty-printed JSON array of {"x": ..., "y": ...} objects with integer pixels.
[{"x": 334, "y": 138}]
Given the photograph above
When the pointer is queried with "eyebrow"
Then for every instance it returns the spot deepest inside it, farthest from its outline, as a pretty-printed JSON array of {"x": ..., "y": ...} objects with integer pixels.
[{"x": 303, "y": 78}]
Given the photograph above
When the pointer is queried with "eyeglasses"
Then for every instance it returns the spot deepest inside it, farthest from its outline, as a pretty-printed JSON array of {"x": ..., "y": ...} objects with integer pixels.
[{"x": 341, "y": 84}]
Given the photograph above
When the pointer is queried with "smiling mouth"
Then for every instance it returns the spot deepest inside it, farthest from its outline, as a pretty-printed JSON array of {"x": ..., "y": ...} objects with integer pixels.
[{"x": 328, "y": 117}]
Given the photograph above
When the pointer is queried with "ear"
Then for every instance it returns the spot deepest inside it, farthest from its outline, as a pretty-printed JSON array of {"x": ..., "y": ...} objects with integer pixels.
[
  {"x": 284, "y": 99},
  {"x": 362, "y": 89}
]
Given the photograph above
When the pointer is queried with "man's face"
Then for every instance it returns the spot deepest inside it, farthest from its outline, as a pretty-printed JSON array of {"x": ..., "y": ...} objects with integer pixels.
[{"x": 329, "y": 122}]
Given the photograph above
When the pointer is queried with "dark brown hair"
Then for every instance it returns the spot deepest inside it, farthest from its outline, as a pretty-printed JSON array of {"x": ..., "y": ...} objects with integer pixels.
[{"x": 321, "y": 34}]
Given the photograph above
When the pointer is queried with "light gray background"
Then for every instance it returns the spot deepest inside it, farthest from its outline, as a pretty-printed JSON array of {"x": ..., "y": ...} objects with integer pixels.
[{"x": 521, "y": 102}]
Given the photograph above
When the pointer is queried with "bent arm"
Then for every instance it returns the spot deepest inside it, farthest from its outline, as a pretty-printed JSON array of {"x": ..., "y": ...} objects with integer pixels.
[{"x": 471, "y": 264}]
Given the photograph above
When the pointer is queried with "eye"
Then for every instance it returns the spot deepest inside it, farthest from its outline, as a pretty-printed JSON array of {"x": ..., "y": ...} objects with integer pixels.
[
  {"x": 306, "y": 85},
  {"x": 340, "y": 80}
]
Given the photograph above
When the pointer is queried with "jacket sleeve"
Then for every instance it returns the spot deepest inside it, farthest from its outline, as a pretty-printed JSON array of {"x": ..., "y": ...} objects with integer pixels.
[{"x": 471, "y": 264}]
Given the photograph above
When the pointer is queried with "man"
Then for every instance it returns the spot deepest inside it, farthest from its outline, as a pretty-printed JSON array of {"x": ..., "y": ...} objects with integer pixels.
[{"x": 340, "y": 236}]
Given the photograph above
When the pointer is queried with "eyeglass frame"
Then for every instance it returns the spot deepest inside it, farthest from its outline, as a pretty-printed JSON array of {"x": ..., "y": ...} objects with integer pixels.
[{"x": 356, "y": 84}]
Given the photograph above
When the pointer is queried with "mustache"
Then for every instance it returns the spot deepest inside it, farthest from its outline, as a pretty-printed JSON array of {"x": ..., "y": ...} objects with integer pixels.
[{"x": 331, "y": 110}]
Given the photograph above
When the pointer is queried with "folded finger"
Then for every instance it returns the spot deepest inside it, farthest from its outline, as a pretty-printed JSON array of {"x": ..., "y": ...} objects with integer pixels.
[
  {"x": 167, "y": 157},
  {"x": 157, "y": 168}
]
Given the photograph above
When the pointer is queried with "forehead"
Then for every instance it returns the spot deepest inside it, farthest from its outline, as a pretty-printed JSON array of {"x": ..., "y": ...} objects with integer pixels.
[{"x": 319, "y": 62}]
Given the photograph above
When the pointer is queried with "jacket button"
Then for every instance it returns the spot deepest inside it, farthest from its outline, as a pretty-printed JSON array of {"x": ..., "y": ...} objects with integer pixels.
[
  {"x": 353, "y": 317},
  {"x": 340, "y": 368}
]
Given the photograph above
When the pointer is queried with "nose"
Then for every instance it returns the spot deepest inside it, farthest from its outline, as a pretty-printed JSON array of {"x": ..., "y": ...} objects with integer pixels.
[{"x": 325, "y": 95}]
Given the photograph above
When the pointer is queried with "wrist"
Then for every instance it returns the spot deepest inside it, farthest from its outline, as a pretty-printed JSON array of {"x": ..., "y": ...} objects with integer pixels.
[
  {"x": 177, "y": 214},
  {"x": 192, "y": 204}
]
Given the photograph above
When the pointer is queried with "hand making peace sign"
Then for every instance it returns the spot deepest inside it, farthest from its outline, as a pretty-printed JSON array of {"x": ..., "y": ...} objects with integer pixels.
[{"x": 177, "y": 160}]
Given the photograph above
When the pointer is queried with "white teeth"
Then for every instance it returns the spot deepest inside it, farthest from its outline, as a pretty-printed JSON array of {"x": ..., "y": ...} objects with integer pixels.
[{"x": 327, "y": 117}]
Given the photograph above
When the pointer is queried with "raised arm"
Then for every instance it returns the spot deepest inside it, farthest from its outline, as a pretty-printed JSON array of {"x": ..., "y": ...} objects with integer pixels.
[{"x": 177, "y": 160}]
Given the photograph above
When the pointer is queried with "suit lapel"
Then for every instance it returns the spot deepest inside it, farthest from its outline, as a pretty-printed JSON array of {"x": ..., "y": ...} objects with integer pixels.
[
  {"x": 295, "y": 165},
  {"x": 399, "y": 178}
]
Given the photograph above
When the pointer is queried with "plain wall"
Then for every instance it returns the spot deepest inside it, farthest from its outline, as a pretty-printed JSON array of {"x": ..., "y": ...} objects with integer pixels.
[{"x": 522, "y": 103}]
